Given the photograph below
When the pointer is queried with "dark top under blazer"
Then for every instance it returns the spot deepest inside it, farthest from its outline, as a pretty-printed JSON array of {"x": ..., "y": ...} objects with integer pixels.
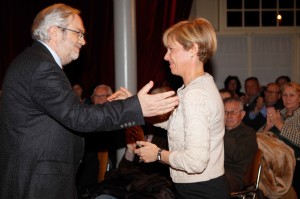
[{"x": 40, "y": 143}]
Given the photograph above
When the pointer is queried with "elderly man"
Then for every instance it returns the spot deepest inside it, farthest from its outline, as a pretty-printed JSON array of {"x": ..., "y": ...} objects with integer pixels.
[
  {"x": 95, "y": 159},
  {"x": 41, "y": 117},
  {"x": 239, "y": 142}
]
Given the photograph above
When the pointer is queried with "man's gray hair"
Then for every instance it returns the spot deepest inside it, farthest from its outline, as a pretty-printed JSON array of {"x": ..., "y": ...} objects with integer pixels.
[
  {"x": 235, "y": 99},
  {"x": 55, "y": 15},
  {"x": 108, "y": 88}
]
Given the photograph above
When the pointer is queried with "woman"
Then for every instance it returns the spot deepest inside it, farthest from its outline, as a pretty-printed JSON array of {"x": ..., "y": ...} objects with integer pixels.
[
  {"x": 196, "y": 127},
  {"x": 233, "y": 83},
  {"x": 285, "y": 124}
]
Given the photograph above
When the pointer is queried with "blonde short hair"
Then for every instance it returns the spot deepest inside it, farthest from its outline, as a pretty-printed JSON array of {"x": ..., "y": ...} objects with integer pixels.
[
  {"x": 294, "y": 85},
  {"x": 198, "y": 31}
]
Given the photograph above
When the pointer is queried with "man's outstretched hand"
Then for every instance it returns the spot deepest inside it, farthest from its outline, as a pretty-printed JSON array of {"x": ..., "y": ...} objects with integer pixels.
[
  {"x": 156, "y": 104},
  {"x": 151, "y": 104}
]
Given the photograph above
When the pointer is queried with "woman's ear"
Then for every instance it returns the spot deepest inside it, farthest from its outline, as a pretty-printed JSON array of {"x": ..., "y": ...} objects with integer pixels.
[{"x": 194, "y": 50}]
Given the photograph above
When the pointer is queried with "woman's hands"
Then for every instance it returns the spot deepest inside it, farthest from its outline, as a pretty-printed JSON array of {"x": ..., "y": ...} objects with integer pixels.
[
  {"x": 273, "y": 118},
  {"x": 147, "y": 152}
]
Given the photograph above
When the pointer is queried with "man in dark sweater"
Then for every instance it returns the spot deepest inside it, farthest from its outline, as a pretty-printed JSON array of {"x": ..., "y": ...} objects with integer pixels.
[{"x": 239, "y": 142}]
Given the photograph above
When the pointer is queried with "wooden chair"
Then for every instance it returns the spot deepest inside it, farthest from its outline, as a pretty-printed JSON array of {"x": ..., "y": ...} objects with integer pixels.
[
  {"x": 251, "y": 179},
  {"x": 103, "y": 161}
]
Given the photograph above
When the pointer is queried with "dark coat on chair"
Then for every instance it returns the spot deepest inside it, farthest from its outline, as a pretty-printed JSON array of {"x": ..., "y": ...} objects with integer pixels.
[{"x": 40, "y": 143}]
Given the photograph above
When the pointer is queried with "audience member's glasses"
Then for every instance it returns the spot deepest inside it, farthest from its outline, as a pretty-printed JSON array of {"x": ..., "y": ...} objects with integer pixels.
[
  {"x": 101, "y": 96},
  {"x": 232, "y": 112},
  {"x": 272, "y": 92},
  {"x": 79, "y": 34}
]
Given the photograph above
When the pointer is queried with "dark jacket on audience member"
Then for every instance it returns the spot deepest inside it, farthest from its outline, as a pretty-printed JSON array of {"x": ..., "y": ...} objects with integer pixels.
[
  {"x": 260, "y": 119},
  {"x": 240, "y": 146}
]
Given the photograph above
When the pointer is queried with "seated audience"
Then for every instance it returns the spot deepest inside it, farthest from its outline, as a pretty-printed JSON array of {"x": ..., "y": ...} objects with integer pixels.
[
  {"x": 285, "y": 124},
  {"x": 152, "y": 134},
  {"x": 131, "y": 169},
  {"x": 233, "y": 83},
  {"x": 78, "y": 90},
  {"x": 257, "y": 117},
  {"x": 239, "y": 143},
  {"x": 98, "y": 148}
]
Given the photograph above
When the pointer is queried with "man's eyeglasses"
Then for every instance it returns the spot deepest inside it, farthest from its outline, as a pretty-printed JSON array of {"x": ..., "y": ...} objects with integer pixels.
[
  {"x": 232, "y": 112},
  {"x": 79, "y": 34},
  {"x": 272, "y": 92}
]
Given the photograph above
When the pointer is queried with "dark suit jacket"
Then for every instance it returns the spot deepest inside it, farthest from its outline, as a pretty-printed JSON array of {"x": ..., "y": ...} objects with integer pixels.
[{"x": 40, "y": 147}]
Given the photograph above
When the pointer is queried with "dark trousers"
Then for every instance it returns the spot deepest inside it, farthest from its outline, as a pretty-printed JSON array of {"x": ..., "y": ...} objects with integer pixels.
[{"x": 213, "y": 189}]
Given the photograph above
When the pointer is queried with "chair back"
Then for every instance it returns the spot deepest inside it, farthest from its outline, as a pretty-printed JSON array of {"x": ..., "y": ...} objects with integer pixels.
[
  {"x": 252, "y": 176},
  {"x": 251, "y": 179}
]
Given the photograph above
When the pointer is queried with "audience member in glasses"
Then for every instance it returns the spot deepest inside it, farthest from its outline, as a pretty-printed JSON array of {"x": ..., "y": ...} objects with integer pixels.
[
  {"x": 42, "y": 120},
  {"x": 196, "y": 126},
  {"x": 240, "y": 144},
  {"x": 257, "y": 117},
  {"x": 97, "y": 145},
  {"x": 233, "y": 83},
  {"x": 107, "y": 143},
  {"x": 285, "y": 124}
]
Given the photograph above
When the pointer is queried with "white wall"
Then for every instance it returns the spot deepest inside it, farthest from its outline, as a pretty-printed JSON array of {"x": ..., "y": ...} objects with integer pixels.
[{"x": 264, "y": 53}]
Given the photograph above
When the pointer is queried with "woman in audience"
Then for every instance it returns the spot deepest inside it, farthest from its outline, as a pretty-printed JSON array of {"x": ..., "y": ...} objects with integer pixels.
[
  {"x": 285, "y": 124},
  {"x": 233, "y": 83}
]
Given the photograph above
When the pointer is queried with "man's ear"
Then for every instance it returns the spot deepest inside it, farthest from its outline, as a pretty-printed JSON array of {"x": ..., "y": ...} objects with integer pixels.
[
  {"x": 52, "y": 32},
  {"x": 243, "y": 113}
]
